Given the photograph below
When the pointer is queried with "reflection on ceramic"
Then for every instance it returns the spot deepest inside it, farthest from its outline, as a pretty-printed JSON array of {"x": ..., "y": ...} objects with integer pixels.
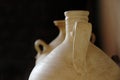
[
  {"x": 76, "y": 58},
  {"x": 47, "y": 48}
]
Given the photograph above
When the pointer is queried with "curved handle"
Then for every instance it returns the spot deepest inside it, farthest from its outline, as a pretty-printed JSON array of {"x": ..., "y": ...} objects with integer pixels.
[
  {"x": 39, "y": 43},
  {"x": 93, "y": 38},
  {"x": 81, "y": 35}
]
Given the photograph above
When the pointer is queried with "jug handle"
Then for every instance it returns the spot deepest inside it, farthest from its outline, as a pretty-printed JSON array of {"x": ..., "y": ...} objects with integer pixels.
[
  {"x": 81, "y": 40},
  {"x": 39, "y": 43},
  {"x": 93, "y": 38}
]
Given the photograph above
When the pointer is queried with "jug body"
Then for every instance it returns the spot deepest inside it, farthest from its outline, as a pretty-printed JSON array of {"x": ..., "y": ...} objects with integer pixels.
[{"x": 76, "y": 58}]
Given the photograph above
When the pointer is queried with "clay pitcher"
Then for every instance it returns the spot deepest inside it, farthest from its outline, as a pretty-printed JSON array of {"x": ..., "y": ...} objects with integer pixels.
[
  {"x": 62, "y": 59},
  {"x": 47, "y": 48},
  {"x": 76, "y": 58}
]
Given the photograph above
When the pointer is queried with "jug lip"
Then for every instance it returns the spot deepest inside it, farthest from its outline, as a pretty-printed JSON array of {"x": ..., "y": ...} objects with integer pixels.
[
  {"x": 76, "y": 13},
  {"x": 57, "y": 22}
]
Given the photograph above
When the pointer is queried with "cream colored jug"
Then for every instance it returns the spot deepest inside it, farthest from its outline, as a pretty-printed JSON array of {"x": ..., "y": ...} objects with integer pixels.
[
  {"x": 76, "y": 58},
  {"x": 47, "y": 48}
]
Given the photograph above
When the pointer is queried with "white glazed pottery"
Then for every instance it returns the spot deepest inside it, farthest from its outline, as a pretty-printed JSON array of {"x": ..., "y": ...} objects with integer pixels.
[{"x": 76, "y": 58}]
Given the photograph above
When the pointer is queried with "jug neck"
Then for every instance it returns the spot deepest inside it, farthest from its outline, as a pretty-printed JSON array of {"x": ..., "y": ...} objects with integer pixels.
[
  {"x": 60, "y": 24},
  {"x": 74, "y": 16}
]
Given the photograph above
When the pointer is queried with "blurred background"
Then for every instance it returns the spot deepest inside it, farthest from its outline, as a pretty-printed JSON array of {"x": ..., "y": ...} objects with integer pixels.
[{"x": 24, "y": 21}]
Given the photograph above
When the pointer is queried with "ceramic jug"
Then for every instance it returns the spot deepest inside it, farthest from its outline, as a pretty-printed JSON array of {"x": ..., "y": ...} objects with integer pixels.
[
  {"x": 76, "y": 58},
  {"x": 47, "y": 48}
]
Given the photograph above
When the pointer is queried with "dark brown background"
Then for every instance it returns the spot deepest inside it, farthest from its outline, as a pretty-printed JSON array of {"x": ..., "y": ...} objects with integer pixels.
[{"x": 24, "y": 21}]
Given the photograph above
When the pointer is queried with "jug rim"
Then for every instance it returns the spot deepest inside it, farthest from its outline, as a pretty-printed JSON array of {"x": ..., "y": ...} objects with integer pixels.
[{"x": 76, "y": 12}]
